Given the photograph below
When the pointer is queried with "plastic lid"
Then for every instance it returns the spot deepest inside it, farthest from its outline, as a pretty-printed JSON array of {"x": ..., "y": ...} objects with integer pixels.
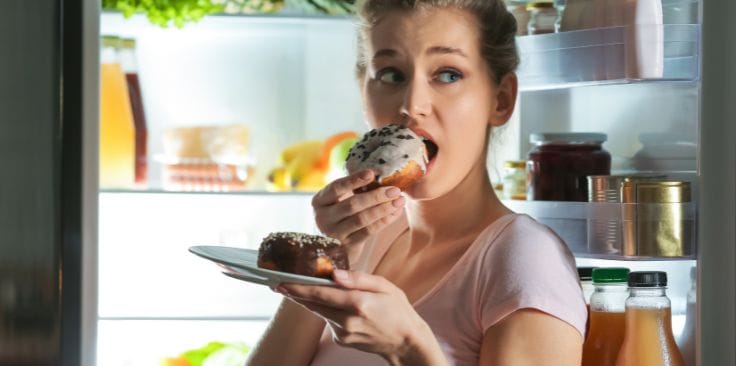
[
  {"x": 648, "y": 279},
  {"x": 567, "y": 137},
  {"x": 127, "y": 42},
  {"x": 610, "y": 275},
  {"x": 585, "y": 273},
  {"x": 520, "y": 164},
  {"x": 110, "y": 41}
]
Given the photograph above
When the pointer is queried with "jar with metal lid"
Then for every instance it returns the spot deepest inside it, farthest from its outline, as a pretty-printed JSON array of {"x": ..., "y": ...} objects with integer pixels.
[
  {"x": 542, "y": 17},
  {"x": 514, "y": 180},
  {"x": 559, "y": 164}
]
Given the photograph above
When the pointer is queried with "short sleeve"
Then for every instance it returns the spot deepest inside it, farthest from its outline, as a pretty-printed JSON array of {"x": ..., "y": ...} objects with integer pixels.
[{"x": 528, "y": 266}]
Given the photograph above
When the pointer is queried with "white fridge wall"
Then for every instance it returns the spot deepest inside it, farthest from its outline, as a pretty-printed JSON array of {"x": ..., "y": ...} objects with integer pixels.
[
  {"x": 147, "y": 272},
  {"x": 650, "y": 127},
  {"x": 287, "y": 78}
]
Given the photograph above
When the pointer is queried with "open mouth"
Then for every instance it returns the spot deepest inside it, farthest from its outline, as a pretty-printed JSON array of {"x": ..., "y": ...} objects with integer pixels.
[{"x": 432, "y": 148}]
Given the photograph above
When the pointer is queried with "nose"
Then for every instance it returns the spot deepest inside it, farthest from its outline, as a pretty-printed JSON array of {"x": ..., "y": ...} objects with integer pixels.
[{"x": 417, "y": 102}]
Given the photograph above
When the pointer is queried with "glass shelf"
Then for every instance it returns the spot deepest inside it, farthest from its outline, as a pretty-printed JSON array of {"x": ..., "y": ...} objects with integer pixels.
[
  {"x": 599, "y": 57},
  {"x": 619, "y": 231},
  {"x": 594, "y": 230},
  {"x": 255, "y": 192}
]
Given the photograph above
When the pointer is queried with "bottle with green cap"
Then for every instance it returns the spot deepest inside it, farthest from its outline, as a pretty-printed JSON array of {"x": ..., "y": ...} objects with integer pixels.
[
  {"x": 607, "y": 316},
  {"x": 649, "y": 340}
]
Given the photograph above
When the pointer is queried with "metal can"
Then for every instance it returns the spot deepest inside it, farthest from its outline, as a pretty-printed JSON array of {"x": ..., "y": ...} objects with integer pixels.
[
  {"x": 656, "y": 219},
  {"x": 604, "y": 221}
]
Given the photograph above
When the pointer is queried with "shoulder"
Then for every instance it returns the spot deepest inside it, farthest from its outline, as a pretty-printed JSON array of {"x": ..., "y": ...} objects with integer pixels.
[
  {"x": 523, "y": 238},
  {"x": 526, "y": 265}
]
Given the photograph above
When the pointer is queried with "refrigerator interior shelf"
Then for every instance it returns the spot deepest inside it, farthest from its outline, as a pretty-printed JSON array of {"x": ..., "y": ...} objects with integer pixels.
[
  {"x": 619, "y": 231},
  {"x": 613, "y": 55}
]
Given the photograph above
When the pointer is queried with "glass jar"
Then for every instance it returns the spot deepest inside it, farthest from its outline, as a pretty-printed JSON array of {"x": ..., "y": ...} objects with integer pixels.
[
  {"x": 542, "y": 17},
  {"x": 514, "y": 180},
  {"x": 559, "y": 164}
]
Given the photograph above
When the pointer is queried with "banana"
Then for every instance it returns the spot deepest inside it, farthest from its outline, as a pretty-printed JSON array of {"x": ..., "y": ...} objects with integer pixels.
[
  {"x": 309, "y": 147},
  {"x": 312, "y": 182},
  {"x": 279, "y": 180}
]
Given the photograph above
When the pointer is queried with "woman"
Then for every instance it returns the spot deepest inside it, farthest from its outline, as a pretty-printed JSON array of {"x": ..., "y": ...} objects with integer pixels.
[{"x": 446, "y": 275}]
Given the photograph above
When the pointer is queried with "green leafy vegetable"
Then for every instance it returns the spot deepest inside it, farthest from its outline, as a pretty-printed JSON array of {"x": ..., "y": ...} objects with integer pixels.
[
  {"x": 164, "y": 12},
  {"x": 180, "y": 12}
]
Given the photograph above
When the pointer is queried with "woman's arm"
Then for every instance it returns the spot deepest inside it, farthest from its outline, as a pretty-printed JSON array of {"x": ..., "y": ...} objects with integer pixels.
[
  {"x": 291, "y": 338},
  {"x": 531, "y": 337}
]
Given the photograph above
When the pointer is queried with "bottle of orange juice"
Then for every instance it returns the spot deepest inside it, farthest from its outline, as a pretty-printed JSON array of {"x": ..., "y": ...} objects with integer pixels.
[
  {"x": 117, "y": 133},
  {"x": 649, "y": 340},
  {"x": 607, "y": 316}
]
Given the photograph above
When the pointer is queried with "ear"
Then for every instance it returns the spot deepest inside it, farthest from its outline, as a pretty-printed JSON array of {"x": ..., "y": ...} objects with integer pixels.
[{"x": 505, "y": 100}]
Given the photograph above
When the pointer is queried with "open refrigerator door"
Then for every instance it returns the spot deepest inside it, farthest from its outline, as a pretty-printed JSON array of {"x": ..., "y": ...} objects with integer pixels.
[{"x": 281, "y": 75}]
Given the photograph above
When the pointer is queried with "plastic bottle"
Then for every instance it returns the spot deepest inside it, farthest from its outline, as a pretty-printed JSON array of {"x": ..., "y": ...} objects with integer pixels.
[
  {"x": 129, "y": 64},
  {"x": 644, "y": 39},
  {"x": 117, "y": 135},
  {"x": 686, "y": 340},
  {"x": 607, "y": 317},
  {"x": 585, "y": 274},
  {"x": 649, "y": 340}
]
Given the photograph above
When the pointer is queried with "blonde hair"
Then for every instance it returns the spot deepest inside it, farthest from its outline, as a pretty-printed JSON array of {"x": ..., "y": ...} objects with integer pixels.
[{"x": 496, "y": 26}]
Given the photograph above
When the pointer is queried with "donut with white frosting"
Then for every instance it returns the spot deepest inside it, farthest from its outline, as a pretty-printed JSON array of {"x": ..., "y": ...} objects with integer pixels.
[{"x": 395, "y": 153}]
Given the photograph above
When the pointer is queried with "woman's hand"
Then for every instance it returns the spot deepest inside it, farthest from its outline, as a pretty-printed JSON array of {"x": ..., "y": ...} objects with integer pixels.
[
  {"x": 352, "y": 218},
  {"x": 371, "y": 314}
]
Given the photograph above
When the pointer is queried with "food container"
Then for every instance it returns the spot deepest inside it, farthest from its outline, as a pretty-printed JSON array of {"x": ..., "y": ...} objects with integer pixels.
[
  {"x": 657, "y": 219},
  {"x": 514, "y": 180},
  {"x": 205, "y": 175},
  {"x": 560, "y": 163},
  {"x": 604, "y": 222}
]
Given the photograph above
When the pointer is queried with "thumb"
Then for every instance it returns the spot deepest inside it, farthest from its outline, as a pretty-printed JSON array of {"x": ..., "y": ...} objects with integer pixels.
[{"x": 362, "y": 281}]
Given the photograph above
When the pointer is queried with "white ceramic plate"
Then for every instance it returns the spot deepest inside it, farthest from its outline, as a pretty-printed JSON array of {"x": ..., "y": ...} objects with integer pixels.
[{"x": 243, "y": 264}]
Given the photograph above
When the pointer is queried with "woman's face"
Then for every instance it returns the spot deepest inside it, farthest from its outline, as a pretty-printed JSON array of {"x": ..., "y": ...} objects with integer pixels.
[{"x": 425, "y": 70}]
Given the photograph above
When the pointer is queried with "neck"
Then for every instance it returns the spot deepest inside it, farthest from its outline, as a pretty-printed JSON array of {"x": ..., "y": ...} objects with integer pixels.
[{"x": 459, "y": 214}]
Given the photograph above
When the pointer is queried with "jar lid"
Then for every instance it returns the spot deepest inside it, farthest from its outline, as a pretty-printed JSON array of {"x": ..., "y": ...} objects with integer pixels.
[
  {"x": 610, "y": 275},
  {"x": 648, "y": 279},
  {"x": 539, "y": 5},
  {"x": 585, "y": 273},
  {"x": 655, "y": 191},
  {"x": 519, "y": 164},
  {"x": 567, "y": 137}
]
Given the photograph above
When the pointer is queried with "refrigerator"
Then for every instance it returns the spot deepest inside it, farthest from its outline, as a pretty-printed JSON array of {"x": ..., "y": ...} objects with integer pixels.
[{"x": 92, "y": 276}]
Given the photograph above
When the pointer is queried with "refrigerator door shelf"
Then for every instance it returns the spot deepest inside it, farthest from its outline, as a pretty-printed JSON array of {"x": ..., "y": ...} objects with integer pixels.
[
  {"x": 610, "y": 55},
  {"x": 618, "y": 231}
]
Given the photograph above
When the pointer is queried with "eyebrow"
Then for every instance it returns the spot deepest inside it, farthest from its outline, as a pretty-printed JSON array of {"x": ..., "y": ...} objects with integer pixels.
[{"x": 442, "y": 50}]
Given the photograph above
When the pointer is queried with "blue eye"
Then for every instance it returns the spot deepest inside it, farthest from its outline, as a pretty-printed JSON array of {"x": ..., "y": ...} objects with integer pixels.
[
  {"x": 390, "y": 76},
  {"x": 449, "y": 76}
]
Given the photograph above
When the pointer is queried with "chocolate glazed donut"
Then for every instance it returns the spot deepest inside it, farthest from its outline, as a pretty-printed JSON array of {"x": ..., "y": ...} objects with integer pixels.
[
  {"x": 303, "y": 254},
  {"x": 396, "y": 154}
]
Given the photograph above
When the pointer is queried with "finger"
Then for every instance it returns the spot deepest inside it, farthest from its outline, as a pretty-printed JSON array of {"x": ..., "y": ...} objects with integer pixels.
[
  {"x": 363, "y": 201},
  {"x": 333, "y": 297},
  {"x": 333, "y": 315},
  {"x": 366, "y": 217},
  {"x": 366, "y": 232},
  {"x": 363, "y": 281},
  {"x": 341, "y": 187}
]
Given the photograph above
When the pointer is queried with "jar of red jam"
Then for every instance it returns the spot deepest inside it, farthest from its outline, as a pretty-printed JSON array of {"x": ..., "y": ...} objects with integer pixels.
[{"x": 559, "y": 164}]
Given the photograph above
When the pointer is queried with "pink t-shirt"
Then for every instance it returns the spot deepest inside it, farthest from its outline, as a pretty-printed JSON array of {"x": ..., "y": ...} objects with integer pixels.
[{"x": 515, "y": 263}]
